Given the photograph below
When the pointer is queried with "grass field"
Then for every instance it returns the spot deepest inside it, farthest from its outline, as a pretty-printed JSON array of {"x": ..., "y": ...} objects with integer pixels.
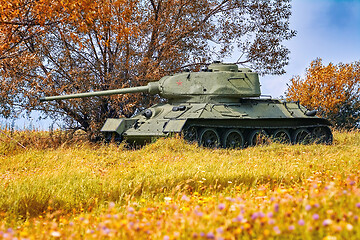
[{"x": 53, "y": 188}]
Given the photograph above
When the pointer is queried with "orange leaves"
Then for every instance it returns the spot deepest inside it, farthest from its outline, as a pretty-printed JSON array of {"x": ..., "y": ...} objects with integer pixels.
[
  {"x": 87, "y": 45},
  {"x": 328, "y": 88}
]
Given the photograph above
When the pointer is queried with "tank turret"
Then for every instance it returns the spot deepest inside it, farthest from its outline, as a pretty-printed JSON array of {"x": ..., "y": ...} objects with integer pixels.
[
  {"x": 219, "y": 83},
  {"x": 220, "y": 106}
]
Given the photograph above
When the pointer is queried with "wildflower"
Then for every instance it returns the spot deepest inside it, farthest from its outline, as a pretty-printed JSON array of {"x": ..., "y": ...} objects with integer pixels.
[
  {"x": 220, "y": 230},
  {"x": 301, "y": 222},
  {"x": 239, "y": 218},
  {"x": 195, "y": 235},
  {"x": 277, "y": 230},
  {"x": 131, "y": 209},
  {"x": 329, "y": 238},
  {"x": 327, "y": 222},
  {"x": 307, "y": 207},
  {"x": 185, "y": 198},
  {"x": 111, "y": 205},
  {"x": 230, "y": 199},
  {"x": 270, "y": 214},
  {"x": 254, "y": 216},
  {"x": 349, "y": 227},
  {"x": 56, "y": 234},
  {"x": 271, "y": 221},
  {"x": 315, "y": 216},
  {"x": 166, "y": 237},
  {"x": 276, "y": 207},
  {"x": 210, "y": 235},
  {"x": 291, "y": 227},
  {"x": 358, "y": 205},
  {"x": 221, "y": 206},
  {"x": 198, "y": 213}
]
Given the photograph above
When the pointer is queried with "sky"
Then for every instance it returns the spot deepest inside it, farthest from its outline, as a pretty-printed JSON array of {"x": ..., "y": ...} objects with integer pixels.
[{"x": 326, "y": 29}]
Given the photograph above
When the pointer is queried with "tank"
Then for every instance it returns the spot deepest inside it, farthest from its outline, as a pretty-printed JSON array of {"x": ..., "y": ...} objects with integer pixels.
[{"x": 221, "y": 106}]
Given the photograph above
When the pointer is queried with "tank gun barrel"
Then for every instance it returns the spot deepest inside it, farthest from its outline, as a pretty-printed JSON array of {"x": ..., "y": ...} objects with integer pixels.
[{"x": 152, "y": 88}]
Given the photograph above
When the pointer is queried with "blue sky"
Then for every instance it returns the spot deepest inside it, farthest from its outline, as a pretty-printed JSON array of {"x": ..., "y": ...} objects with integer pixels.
[{"x": 328, "y": 29}]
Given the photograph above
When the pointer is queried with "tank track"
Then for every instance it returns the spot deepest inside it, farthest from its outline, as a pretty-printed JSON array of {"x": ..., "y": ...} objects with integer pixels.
[{"x": 215, "y": 135}]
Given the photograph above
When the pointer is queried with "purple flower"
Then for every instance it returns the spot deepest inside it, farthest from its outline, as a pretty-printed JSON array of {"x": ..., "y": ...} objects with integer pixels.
[
  {"x": 166, "y": 237},
  {"x": 220, "y": 230},
  {"x": 277, "y": 230},
  {"x": 106, "y": 230},
  {"x": 316, "y": 205},
  {"x": 270, "y": 214},
  {"x": 315, "y": 216},
  {"x": 301, "y": 222},
  {"x": 307, "y": 207},
  {"x": 210, "y": 235},
  {"x": 352, "y": 183},
  {"x": 271, "y": 221},
  {"x": 198, "y": 213},
  {"x": 276, "y": 207},
  {"x": 254, "y": 215},
  {"x": 326, "y": 222},
  {"x": 131, "y": 209},
  {"x": 291, "y": 227},
  {"x": 239, "y": 218},
  {"x": 221, "y": 206},
  {"x": 185, "y": 198},
  {"x": 195, "y": 235},
  {"x": 358, "y": 205}
]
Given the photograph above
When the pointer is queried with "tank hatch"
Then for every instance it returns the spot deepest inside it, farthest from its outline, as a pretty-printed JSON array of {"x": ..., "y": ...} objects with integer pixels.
[{"x": 223, "y": 67}]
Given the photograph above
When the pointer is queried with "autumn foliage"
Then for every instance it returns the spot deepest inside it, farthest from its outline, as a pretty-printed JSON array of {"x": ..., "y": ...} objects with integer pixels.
[
  {"x": 334, "y": 90},
  {"x": 60, "y": 47}
]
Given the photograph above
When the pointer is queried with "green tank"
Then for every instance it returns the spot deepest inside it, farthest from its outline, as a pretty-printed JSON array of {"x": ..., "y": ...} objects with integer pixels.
[{"x": 217, "y": 107}]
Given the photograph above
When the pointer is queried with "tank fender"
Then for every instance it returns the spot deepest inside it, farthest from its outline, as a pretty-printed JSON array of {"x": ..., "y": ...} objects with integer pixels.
[
  {"x": 174, "y": 125},
  {"x": 118, "y": 125}
]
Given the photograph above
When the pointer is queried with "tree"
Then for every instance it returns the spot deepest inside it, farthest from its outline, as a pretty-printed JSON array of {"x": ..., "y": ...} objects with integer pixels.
[
  {"x": 62, "y": 47},
  {"x": 334, "y": 90}
]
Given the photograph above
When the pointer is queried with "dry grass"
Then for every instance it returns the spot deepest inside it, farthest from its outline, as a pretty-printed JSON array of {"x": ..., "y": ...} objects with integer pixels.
[{"x": 172, "y": 189}]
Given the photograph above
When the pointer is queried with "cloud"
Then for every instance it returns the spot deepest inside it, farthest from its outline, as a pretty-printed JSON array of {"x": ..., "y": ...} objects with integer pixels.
[{"x": 326, "y": 29}]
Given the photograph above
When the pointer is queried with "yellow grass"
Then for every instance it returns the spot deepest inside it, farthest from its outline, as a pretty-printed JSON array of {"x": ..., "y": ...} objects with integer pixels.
[{"x": 56, "y": 188}]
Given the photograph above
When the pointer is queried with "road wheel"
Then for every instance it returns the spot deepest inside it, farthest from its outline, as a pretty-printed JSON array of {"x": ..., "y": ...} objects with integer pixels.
[
  {"x": 209, "y": 138},
  {"x": 190, "y": 134},
  {"x": 258, "y": 137},
  {"x": 302, "y": 136},
  {"x": 233, "y": 139},
  {"x": 281, "y": 136},
  {"x": 322, "y": 135}
]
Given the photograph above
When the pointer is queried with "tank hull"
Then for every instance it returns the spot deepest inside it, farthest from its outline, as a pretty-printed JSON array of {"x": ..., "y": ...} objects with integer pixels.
[{"x": 238, "y": 124}]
